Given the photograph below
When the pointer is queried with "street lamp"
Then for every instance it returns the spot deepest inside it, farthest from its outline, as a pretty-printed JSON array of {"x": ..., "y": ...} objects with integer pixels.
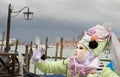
[{"x": 28, "y": 16}]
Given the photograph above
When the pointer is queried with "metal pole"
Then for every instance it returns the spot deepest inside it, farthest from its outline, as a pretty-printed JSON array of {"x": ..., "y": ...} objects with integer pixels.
[{"x": 8, "y": 28}]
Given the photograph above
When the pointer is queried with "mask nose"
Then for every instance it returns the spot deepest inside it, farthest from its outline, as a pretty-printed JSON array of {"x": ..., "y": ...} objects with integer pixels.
[{"x": 76, "y": 50}]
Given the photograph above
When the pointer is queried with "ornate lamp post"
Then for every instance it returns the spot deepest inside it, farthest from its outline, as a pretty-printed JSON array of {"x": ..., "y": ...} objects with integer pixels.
[{"x": 28, "y": 16}]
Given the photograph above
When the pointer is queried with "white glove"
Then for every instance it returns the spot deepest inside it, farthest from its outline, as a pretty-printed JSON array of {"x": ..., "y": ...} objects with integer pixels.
[{"x": 38, "y": 53}]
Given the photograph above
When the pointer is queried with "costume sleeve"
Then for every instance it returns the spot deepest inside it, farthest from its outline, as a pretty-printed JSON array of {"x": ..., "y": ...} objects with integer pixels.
[
  {"x": 107, "y": 72},
  {"x": 58, "y": 67}
]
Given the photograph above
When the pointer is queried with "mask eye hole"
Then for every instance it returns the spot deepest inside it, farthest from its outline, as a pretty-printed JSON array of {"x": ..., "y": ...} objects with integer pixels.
[
  {"x": 80, "y": 47},
  {"x": 77, "y": 47}
]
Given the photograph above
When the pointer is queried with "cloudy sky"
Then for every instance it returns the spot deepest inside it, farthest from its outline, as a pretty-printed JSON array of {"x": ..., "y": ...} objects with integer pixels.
[{"x": 59, "y": 18}]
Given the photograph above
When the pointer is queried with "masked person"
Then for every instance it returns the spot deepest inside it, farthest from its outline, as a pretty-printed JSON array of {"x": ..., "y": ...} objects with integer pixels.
[{"x": 85, "y": 60}]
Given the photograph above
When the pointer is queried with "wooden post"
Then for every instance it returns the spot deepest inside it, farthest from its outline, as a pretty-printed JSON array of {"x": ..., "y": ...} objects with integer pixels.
[
  {"x": 61, "y": 49},
  {"x": 35, "y": 66},
  {"x": 30, "y": 53},
  {"x": 31, "y": 50},
  {"x": 16, "y": 46},
  {"x": 46, "y": 46},
  {"x": 56, "y": 52},
  {"x": 26, "y": 57},
  {"x": 2, "y": 41},
  {"x": 13, "y": 63}
]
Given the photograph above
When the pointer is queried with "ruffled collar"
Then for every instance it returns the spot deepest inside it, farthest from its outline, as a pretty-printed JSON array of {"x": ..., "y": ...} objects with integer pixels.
[{"x": 76, "y": 68}]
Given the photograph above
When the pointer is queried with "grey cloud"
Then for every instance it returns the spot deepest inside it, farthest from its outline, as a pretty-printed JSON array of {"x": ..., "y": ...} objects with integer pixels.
[{"x": 67, "y": 16}]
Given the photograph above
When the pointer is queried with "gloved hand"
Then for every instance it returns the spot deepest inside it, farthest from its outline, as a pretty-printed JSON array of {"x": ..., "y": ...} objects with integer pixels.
[{"x": 38, "y": 53}]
